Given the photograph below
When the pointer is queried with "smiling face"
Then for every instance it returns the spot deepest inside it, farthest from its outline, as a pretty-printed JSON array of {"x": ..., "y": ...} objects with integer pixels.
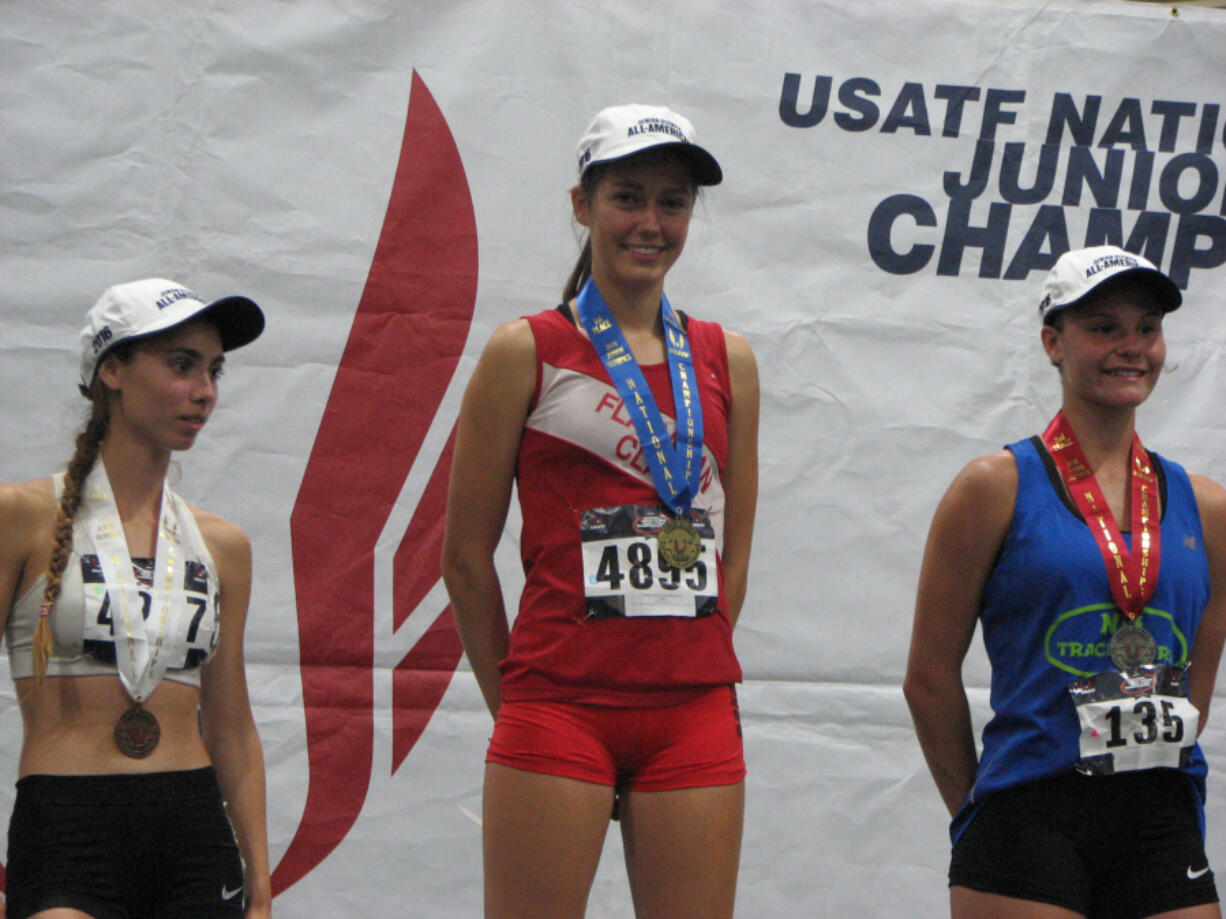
[
  {"x": 1110, "y": 349},
  {"x": 638, "y": 216},
  {"x": 163, "y": 394}
]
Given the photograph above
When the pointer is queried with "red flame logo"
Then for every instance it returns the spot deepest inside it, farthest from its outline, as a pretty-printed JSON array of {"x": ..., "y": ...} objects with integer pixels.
[{"x": 407, "y": 337}]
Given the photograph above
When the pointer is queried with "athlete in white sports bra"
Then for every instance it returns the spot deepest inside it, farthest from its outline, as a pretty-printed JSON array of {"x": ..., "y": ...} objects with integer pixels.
[{"x": 124, "y": 610}]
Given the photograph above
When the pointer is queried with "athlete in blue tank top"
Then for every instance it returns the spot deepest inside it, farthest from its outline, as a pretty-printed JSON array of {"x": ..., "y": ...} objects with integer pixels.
[{"x": 1098, "y": 572}]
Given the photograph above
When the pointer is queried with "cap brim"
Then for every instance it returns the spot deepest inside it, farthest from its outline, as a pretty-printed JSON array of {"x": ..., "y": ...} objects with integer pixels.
[
  {"x": 1167, "y": 295},
  {"x": 706, "y": 170},
  {"x": 239, "y": 320},
  {"x": 703, "y": 166}
]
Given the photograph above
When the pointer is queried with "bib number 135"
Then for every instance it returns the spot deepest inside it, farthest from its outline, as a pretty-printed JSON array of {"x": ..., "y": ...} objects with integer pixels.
[{"x": 1132, "y": 720}]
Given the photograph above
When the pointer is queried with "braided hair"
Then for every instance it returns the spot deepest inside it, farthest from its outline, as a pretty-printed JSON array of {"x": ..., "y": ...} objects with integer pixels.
[{"x": 84, "y": 455}]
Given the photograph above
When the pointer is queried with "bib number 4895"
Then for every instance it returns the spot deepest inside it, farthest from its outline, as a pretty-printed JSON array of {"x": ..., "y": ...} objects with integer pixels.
[{"x": 643, "y": 569}]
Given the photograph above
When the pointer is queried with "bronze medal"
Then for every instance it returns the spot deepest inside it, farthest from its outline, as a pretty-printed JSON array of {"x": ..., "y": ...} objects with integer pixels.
[
  {"x": 137, "y": 733},
  {"x": 680, "y": 544},
  {"x": 1132, "y": 647}
]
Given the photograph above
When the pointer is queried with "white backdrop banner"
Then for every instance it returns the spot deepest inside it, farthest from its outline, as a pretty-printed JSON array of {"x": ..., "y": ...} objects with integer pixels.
[{"x": 390, "y": 182}]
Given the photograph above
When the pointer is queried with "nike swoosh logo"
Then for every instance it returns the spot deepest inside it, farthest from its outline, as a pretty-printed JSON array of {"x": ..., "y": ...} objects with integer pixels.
[
  {"x": 228, "y": 894},
  {"x": 1193, "y": 875}
]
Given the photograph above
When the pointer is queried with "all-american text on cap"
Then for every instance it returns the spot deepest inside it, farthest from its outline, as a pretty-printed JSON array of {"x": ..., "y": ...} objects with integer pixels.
[
  {"x": 1078, "y": 272},
  {"x": 138, "y": 309},
  {"x": 624, "y": 130}
]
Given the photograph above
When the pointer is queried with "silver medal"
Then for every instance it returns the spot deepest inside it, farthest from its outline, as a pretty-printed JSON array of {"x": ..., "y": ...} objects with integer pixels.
[{"x": 1132, "y": 647}]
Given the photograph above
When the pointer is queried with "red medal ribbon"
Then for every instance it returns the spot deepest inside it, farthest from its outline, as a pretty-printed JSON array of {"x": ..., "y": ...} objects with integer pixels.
[{"x": 1133, "y": 575}]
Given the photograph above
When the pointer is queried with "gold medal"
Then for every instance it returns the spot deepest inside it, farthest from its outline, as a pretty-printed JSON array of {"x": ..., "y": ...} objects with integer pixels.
[
  {"x": 137, "y": 733},
  {"x": 680, "y": 544}
]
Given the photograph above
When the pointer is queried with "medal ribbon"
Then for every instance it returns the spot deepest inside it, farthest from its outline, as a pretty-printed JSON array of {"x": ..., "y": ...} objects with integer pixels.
[
  {"x": 142, "y": 650},
  {"x": 675, "y": 469},
  {"x": 1133, "y": 575}
]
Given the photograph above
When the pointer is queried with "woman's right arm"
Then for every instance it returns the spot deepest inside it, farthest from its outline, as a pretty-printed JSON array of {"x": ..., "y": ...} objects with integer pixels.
[
  {"x": 10, "y": 550},
  {"x": 27, "y": 515},
  {"x": 488, "y": 433},
  {"x": 968, "y": 529},
  {"x": 1211, "y": 634}
]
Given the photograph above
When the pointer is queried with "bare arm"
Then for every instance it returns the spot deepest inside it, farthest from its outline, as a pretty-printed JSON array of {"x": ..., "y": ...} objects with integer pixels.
[
  {"x": 482, "y": 472},
  {"x": 740, "y": 471},
  {"x": 27, "y": 526},
  {"x": 27, "y": 520},
  {"x": 228, "y": 726},
  {"x": 13, "y": 547},
  {"x": 1207, "y": 648},
  {"x": 15, "y": 521},
  {"x": 967, "y": 532}
]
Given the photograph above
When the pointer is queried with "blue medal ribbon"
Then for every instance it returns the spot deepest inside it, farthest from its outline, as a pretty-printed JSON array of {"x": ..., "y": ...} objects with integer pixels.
[{"x": 675, "y": 468}]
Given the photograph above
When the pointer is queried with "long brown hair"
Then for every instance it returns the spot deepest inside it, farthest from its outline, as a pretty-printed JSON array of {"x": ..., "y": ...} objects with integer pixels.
[
  {"x": 583, "y": 267},
  {"x": 84, "y": 455}
]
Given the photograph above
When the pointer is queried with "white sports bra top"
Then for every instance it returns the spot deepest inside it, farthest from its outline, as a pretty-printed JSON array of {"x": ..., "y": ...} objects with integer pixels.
[{"x": 81, "y": 623}]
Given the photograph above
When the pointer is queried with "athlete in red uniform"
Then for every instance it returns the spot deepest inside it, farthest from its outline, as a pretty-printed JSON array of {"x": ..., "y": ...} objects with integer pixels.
[{"x": 631, "y": 433}]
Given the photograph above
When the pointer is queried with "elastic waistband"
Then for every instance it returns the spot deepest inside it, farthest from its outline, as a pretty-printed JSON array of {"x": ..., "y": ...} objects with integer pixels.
[
  {"x": 1134, "y": 782},
  {"x": 120, "y": 788}
]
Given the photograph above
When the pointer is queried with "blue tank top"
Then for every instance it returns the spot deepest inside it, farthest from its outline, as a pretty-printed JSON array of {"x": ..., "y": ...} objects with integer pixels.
[{"x": 1047, "y": 614}]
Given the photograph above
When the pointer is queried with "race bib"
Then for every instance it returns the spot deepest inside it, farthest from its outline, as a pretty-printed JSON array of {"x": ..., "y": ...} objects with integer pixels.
[
  {"x": 625, "y": 575},
  {"x": 1136, "y": 719},
  {"x": 190, "y": 650}
]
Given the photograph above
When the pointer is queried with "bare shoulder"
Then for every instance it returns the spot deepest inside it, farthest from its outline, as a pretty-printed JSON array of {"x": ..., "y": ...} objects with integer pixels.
[
  {"x": 505, "y": 376},
  {"x": 739, "y": 350},
  {"x": 27, "y": 527},
  {"x": 742, "y": 366},
  {"x": 226, "y": 541},
  {"x": 968, "y": 530},
  {"x": 27, "y": 506},
  {"x": 991, "y": 472},
  {"x": 1210, "y": 496},
  {"x": 1211, "y": 502},
  {"x": 985, "y": 490},
  {"x": 512, "y": 341}
]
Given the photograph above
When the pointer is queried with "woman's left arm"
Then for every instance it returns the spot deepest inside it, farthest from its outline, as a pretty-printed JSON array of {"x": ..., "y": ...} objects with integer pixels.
[
  {"x": 229, "y": 728},
  {"x": 1207, "y": 648},
  {"x": 740, "y": 477}
]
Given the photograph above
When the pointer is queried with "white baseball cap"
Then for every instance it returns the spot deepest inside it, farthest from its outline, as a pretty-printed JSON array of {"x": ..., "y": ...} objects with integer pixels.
[
  {"x": 139, "y": 309},
  {"x": 624, "y": 130},
  {"x": 1079, "y": 271}
]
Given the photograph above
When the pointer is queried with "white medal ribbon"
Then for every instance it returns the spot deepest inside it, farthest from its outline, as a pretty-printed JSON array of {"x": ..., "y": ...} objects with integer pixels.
[{"x": 143, "y": 646}]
